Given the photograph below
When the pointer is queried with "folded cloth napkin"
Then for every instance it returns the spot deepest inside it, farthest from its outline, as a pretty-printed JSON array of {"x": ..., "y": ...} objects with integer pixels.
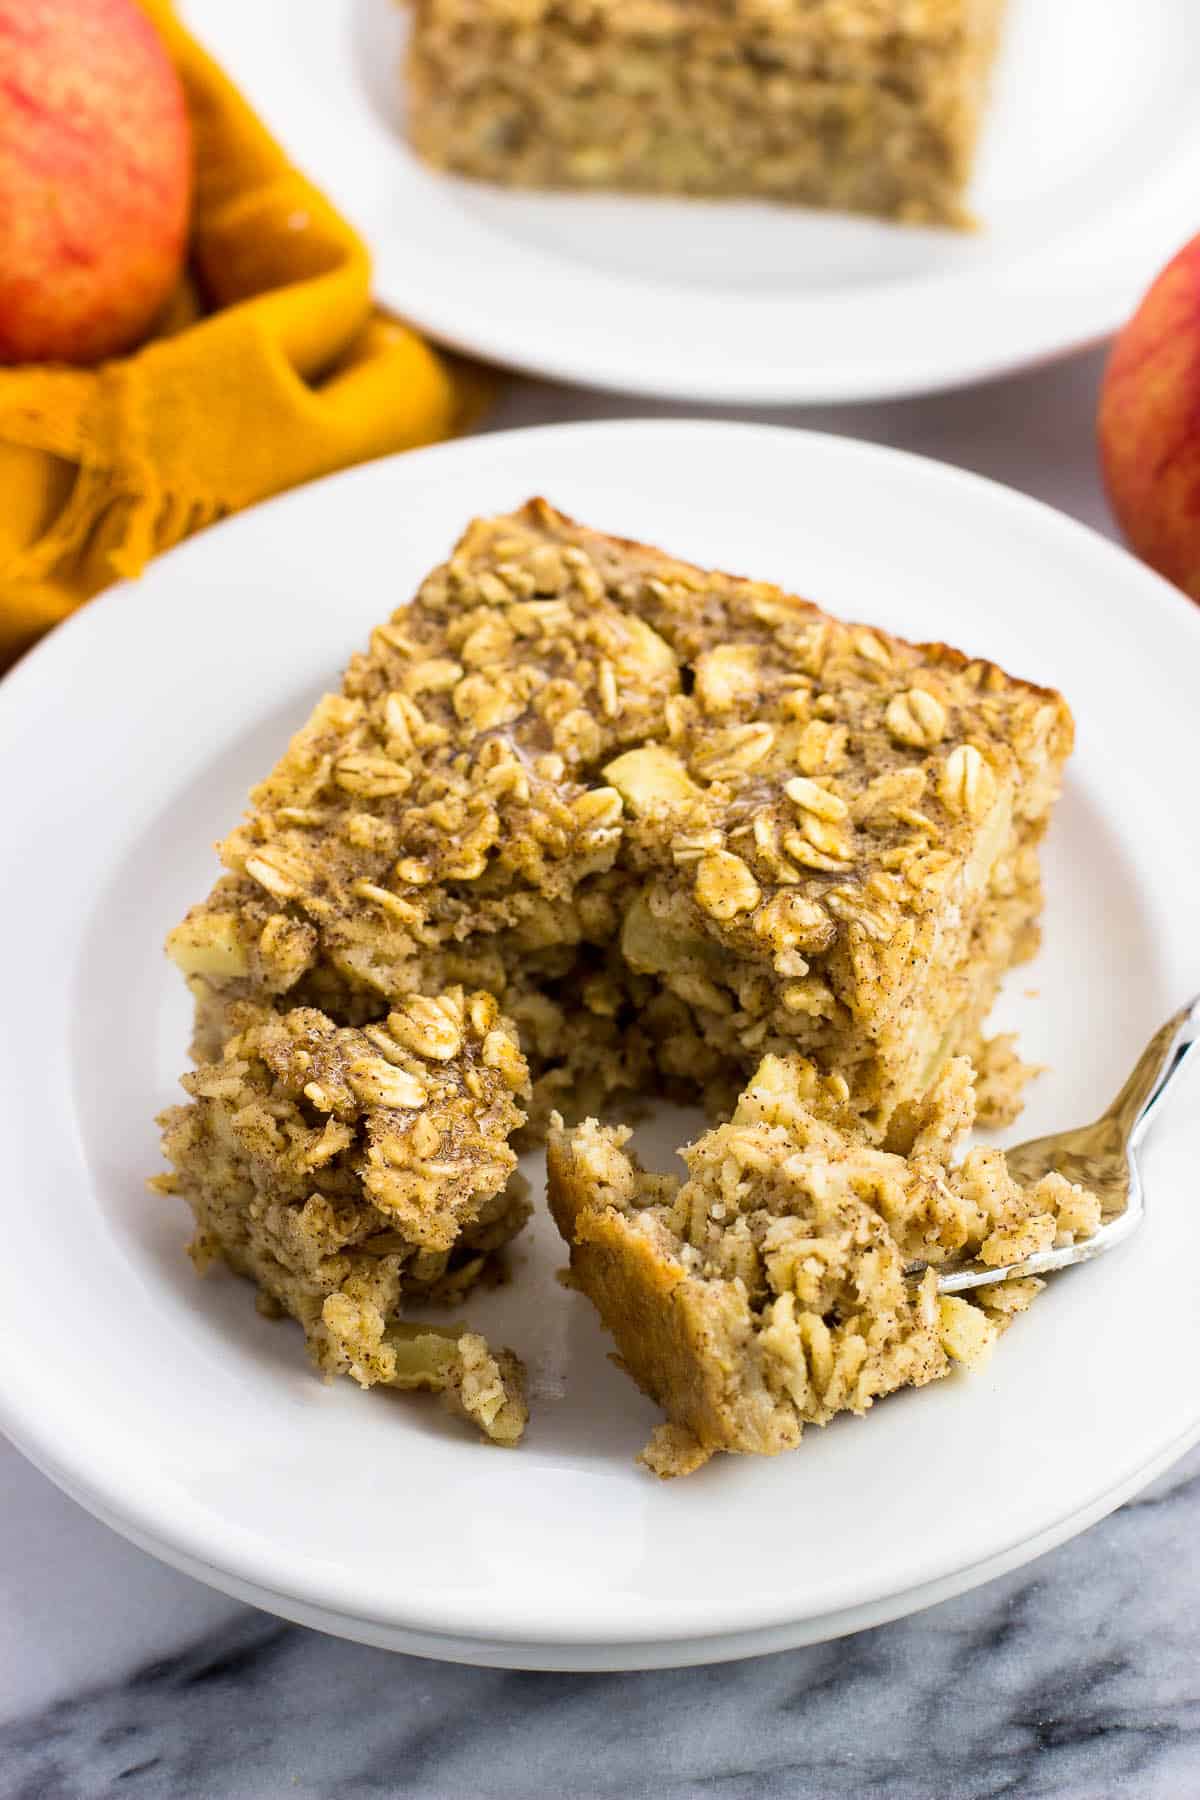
[{"x": 269, "y": 367}]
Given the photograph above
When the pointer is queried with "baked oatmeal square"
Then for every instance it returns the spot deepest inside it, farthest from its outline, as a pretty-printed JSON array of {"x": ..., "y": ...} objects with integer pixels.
[{"x": 592, "y": 816}]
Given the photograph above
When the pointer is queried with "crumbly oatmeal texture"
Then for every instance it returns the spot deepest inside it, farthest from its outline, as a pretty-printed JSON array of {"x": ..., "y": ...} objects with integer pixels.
[
  {"x": 670, "y": 820},
  {"x": 673, "y": 820},
  {"x": 767, "y": 1290},
  {"x": 346, "y": 1171},
  {"x": 867, "y": 105}
]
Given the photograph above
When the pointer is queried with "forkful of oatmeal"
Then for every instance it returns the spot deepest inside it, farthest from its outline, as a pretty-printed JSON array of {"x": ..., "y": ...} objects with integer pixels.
[{"x": 799, "y": 1270}]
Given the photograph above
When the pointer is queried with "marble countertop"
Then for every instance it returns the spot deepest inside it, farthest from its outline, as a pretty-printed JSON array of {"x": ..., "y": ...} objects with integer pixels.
[{"x": 1078, "y": 1676}]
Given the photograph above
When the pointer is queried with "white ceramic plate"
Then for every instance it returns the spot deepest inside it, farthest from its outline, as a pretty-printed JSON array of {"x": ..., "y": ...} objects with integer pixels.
[
  {"x": 1087, "y": 183},
  {"x": 172, "y": 1410}
]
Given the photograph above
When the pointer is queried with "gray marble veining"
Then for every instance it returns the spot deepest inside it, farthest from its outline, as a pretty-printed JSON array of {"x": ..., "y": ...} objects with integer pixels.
[{"x": 1078, "y": 1677}]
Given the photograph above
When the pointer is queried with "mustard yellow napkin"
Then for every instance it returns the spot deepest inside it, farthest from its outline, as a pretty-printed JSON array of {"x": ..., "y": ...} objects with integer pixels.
[{"x": 270, "y": 367}]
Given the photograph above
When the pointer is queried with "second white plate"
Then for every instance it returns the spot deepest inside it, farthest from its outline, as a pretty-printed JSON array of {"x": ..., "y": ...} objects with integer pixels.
[{"x": 1087, "y": 183}]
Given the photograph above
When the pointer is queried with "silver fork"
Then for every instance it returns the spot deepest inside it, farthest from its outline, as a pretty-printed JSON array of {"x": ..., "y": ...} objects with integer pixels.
[{"x": 1100, "y": 1156}]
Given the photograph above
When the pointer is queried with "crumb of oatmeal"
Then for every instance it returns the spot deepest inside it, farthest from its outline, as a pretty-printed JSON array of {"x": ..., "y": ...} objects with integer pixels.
[
  {"x": 350, "y": 1172},
  {"x": 1001, "y": 1077}
]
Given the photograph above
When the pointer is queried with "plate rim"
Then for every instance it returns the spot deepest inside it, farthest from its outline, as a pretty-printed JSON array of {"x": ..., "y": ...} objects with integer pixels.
[
  {"x": 38, "y": 668},
  {"x": 594, "y": 1655}
]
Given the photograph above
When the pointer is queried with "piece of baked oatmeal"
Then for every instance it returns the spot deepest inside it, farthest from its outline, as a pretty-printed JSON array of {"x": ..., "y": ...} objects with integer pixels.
[
  {"x": 867, "y": 105},
  {"x": 673, "y": 820},
  {"x": 767, "y": 1290},
  {"x": 348, "y": 1172}
]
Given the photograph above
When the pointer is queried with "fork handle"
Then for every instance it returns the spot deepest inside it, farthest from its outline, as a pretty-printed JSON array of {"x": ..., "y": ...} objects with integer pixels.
[{"x": 1160, "y": 1064}]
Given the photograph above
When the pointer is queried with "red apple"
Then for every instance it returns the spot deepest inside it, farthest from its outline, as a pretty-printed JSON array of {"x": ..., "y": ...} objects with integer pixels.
[
  {"x": 1149, "y": 424},
  {"x": 95, "y": 178}
]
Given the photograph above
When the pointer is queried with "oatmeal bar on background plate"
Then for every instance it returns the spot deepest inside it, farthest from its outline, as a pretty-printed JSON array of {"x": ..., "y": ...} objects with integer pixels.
[{"x": 868, "y": 105}]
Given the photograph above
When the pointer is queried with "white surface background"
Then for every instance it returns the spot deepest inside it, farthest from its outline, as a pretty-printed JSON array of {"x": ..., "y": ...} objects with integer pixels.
[{"x": 1090, "y": 1673}]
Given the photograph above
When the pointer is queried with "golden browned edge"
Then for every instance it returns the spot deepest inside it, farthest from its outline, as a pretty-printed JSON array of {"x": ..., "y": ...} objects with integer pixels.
[
  {"x": 673, "y": 1345},
  {"x": 543, "y": 512}
]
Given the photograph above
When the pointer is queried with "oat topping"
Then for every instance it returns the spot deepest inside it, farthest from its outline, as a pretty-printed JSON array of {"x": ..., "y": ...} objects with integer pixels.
[
  {"x": 606, "y": 785},
  {"x": 916, "y": 718}
]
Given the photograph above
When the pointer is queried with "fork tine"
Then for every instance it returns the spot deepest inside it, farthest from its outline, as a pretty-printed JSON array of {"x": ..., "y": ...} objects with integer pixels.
[{"x": 1099, "y": 1156}]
